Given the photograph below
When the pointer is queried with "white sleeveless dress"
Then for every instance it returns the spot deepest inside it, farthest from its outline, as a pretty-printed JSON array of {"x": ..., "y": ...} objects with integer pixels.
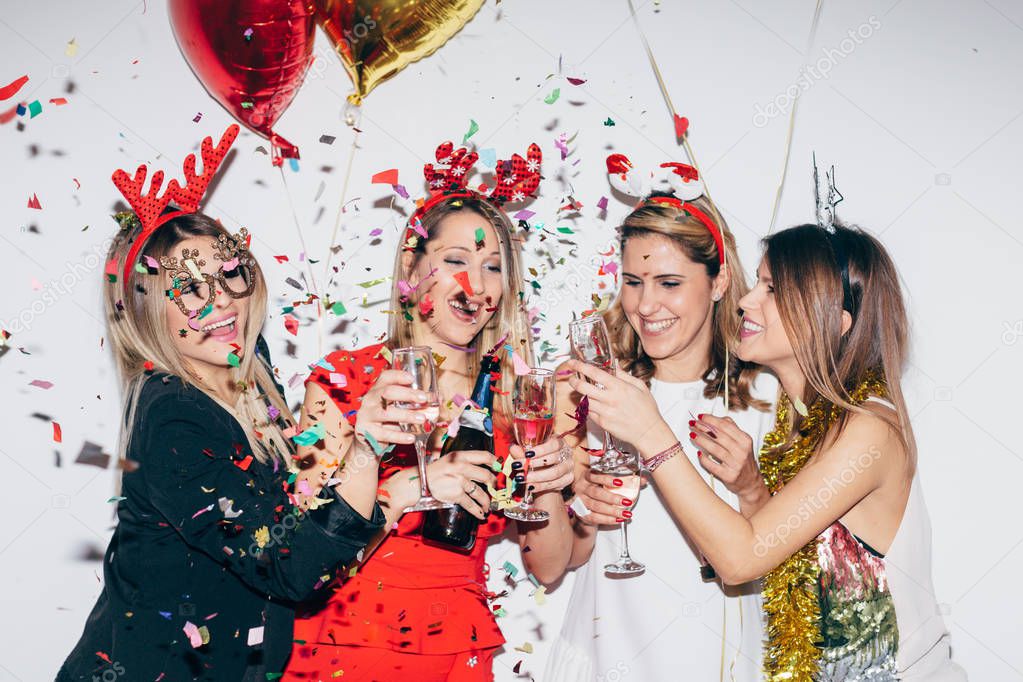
[
  {"x": 666, "y": 624},
  {"x": 880, "y": 618}
]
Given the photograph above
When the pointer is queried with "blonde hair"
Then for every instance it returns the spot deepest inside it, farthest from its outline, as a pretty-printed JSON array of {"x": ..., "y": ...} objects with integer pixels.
[
  {"x": 694, "y": 240},
  {"x": 809, "y": 293},
  {"x": 137, "y": 329},
  {"x": 510, "y": 316}
]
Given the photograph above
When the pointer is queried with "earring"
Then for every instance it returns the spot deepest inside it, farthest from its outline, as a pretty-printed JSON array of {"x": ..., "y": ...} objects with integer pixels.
[{"x": 716, "y": 297}]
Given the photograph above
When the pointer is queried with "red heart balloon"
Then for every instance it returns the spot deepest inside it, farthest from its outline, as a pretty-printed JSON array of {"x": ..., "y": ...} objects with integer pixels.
[{"x": 250, "y": 55}]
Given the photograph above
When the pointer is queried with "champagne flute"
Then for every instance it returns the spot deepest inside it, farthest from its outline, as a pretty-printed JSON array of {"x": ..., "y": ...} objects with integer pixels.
[
  {"x": 418, "y": 362},
  {"x": 592, "y": 344},
  {"x": 533, "y": 400}
]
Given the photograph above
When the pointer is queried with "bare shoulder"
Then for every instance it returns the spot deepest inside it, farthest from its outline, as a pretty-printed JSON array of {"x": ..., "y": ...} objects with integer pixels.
[{"x": 870, "y": 437}]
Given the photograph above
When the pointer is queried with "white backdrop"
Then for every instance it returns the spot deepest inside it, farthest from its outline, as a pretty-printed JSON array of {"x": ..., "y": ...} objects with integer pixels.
[{"x": 916, "y": 101}]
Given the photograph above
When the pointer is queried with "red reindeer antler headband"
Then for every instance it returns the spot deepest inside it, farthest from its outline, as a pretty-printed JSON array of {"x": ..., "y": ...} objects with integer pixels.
[
  {"x": 150, "y": 207},
  {"x": 684, "y": 180},
  {"x": 516, "y": 178}
]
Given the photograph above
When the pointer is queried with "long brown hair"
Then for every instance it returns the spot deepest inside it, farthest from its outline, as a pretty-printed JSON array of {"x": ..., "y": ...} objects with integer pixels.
[
  {"x": 694, "y": 240},
  {"x": 510, "y": 316},
  {"x": 137, "y": 328},
  {"x": 808, "y": 291}
]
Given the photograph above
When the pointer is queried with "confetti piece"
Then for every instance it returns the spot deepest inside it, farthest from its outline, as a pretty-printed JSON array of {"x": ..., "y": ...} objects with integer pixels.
[
  {"x": 57, "y": 435},
  {"x": 520, "y": 365},
  {"x": 526, "y": 648},
  {"x": 71, "y": 49},
  {"x": 327, "y": 139},
  {"x": 473, "y": 129},
  {"x": 576, "y": 81},
  {"x": 540, "y": 595},
  {"x": 281, "y": 259},
  {"x": 39, "y": 383},
  {"x": 371, "y": 283},
  {"x": 338, "y": 308},
  {"x": 233, "y": 359},
  {"x": 58, "y": 101},
  {"x": 566, "y": 230},
  {"x": 488, "y": 157},
  {"x": 561, "y": 142},
  {"x": 228, "y": 266},
  {"x": 116, "y": 498},
  {"x": 338, "y": 379},
  {"x": 255, "y": 634},
  {"x": 10, "y": 90},
  {"x": 609, "y": 122},
  {"x": 510, "y": 569},
  {"x": 681, "y": 126},
  {"x": 481, "y": 236},
  {"x": 151, "y": 262},
  {"x": 198, "y": 116},
  {"x": 291, "y": 324},
  {"x": 553, "y": 97},
  {"x": 426, "y": 305},
  {"x": 197, "y": 636},
  {"x": 387, "y": 177},
  {"x": 33, "y": 202},
  {"x": 248, "y": 36},
  {"x": 602, "y": 204},
  {"x": 463, "y": 280},
  {"x": 310, "y": 436}
]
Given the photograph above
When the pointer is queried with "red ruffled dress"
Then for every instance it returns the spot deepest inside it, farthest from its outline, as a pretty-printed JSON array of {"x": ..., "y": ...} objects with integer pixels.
[{"x": 409, "y": 597}]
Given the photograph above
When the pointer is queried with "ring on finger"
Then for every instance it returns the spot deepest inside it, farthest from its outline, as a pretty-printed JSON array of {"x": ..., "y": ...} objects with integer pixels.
[{"x": 470, "y": 486}]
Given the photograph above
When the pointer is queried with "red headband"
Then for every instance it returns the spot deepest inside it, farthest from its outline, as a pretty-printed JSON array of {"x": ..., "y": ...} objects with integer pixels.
[
  {"x": 515, "y": 178},
  {"x": 684, "y": 180},
  {"x": 685, "y": 206},
  {"x": 149, "y": 207}
]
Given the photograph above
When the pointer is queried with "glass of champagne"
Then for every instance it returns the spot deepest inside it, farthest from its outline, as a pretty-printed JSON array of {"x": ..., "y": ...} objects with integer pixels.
[
  {"x": 418, "y": 362},
  {"x": 592, "y": 344},
  {"x": 533, "y": 400}
]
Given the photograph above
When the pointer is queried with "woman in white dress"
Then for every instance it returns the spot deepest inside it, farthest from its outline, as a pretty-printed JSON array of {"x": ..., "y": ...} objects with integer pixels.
[{"x": 677, "y": 310}]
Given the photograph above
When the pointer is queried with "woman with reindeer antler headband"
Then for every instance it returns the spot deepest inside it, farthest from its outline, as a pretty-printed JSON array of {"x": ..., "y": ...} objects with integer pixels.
[
  {"x": 671, "y": 327},
  {"x": 417, "y": 610},
  {"x": 213, "y": 547}
]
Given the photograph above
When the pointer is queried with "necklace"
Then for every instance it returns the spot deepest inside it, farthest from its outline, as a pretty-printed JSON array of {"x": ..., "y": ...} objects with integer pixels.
[{"x": 790, "y": 591}]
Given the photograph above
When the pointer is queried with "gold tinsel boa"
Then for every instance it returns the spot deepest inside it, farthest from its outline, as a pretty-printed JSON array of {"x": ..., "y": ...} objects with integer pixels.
[{"x": 790, "y": 591}]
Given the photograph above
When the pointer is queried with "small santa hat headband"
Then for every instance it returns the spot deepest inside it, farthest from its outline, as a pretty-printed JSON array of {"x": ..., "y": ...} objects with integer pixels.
[
  {"x": 683, "y": 179},
  {"x": 515, "y": 179},
  {"x": 150, "y": 207}
]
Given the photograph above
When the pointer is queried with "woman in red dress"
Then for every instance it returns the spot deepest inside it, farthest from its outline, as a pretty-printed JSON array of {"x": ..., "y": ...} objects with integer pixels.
[{"x": 412, "y": 610}]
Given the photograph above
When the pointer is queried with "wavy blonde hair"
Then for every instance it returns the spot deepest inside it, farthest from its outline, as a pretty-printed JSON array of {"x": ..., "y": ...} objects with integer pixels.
[
  {"x": 694, "y": 240},
  {"x": 510, "y": 316},
  {"x": 137, "y": 329}
]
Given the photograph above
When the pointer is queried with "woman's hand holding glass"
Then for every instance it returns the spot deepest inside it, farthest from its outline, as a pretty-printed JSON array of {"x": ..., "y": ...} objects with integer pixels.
[{"x": 620, "y": 404}]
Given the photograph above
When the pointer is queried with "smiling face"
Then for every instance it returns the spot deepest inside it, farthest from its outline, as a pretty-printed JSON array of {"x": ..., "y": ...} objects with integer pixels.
[
  {"x": 454, "y": 313},
  {"x": 762, "y": 337},
  {"x": 667, "y": 297},
  {"x": 207, "y": 337}
]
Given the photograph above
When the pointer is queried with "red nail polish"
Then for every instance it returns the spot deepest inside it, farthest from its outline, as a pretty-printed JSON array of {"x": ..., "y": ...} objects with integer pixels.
[
  {"x": 618, "y": 482},
  {"x": 692, "y": 422},
  {"x": 626, "y": 502},
  {"x": 692, "y": 435},
  {"x": 619, "y": 520},
  {"x": 627, "y": 514},
  {"x": 700, "y": 416},
  {"x": 699, "y": 453}
]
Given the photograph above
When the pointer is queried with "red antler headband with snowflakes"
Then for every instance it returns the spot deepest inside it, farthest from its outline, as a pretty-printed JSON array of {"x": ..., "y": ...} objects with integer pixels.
[
  {"x": 683, "y": 179},
  {"x": 516, "y": 178},
  {"x": 150, "y": 207}
]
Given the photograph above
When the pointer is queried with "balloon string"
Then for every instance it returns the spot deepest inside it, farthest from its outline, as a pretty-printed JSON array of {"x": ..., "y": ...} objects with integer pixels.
[
  {"x": 305, "y": 256},
  {"x": 792, "y": 122},
  {"x": 340, "y": 206},
  {"x": 667, "y": 99}
]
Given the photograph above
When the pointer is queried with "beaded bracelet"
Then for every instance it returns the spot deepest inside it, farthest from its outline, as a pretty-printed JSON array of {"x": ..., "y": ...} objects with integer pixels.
[{"x": 662, "y": 456}]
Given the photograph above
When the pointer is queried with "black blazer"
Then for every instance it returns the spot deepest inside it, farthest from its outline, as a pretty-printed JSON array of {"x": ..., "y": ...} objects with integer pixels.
[{"x": 207, "y": 550}]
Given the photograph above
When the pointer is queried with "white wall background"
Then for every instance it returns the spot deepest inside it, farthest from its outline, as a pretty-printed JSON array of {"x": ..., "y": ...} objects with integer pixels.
[{"x": 922, "y": 117}]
